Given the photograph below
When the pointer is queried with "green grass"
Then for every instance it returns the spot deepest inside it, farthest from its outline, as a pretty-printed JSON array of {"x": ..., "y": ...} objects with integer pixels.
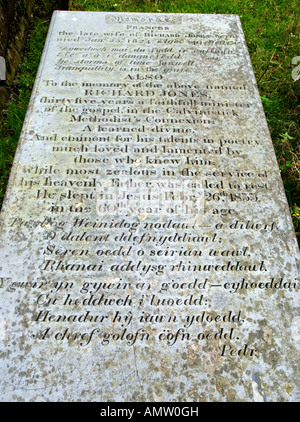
[{"x": 271, "y": 30}]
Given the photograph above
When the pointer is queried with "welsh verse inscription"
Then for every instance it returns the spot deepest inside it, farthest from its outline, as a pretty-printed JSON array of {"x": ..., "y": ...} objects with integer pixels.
[{"x": 148, "y": 253}]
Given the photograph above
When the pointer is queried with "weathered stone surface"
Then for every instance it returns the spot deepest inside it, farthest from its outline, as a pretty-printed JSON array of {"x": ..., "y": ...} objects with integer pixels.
[{"x": 148, "y": 253}]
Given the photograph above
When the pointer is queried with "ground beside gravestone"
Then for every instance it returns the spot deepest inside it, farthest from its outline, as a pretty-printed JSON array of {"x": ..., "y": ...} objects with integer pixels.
[{"x": 155, "y": 257}]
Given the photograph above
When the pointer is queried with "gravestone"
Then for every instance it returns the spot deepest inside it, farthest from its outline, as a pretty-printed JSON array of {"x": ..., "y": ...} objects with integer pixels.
[{"x": 147, "y": 250}]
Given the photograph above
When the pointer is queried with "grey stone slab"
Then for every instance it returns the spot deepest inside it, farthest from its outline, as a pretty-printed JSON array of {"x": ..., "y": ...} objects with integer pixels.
[{"x": 147, "y": 249}]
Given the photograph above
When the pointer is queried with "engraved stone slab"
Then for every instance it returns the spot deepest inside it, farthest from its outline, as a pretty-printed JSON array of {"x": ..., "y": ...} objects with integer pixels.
[{"x": 147, "y": 250}]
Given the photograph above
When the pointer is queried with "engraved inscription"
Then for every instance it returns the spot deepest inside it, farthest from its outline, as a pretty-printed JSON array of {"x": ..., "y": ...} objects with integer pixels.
[{"x": 145, "y": 230}]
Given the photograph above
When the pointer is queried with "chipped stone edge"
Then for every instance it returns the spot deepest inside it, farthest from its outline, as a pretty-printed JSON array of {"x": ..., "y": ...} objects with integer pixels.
[{"x": 22, "y": 139}]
